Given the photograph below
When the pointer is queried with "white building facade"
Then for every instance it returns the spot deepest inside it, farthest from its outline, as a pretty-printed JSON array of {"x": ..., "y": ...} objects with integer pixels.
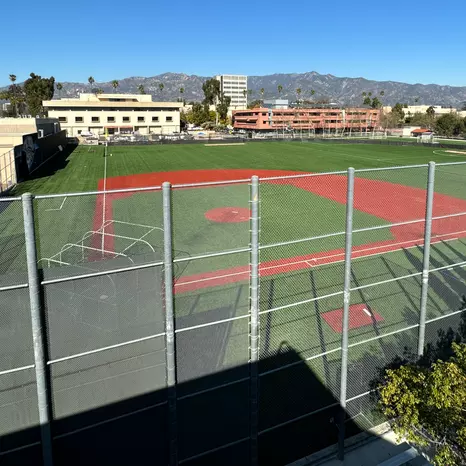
[
  {"x": 114, "y": 114},
  {"x": 235, "y": 87}
]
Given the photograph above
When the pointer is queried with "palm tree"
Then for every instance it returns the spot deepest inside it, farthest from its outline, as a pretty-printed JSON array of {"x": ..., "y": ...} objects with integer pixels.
[
  {"x": 115, "y": 85},
  {"x": 298, "y": 95},
  {"x": 91, "y": 81},
  {"x": 262, "y": 90},
  {"x": 59, "y": 88},
  {"x": 280, "y": 89},
  {"x": 181, "y": 93},
  {"x": 141, "y": 89},
  {"x": 99, "y": 90},
  {"x": 12, "y": 78},
  {"x": 161, "y": 86},
  {"x": 364, "y": 94},
  {"x": 382, "y": 93}
]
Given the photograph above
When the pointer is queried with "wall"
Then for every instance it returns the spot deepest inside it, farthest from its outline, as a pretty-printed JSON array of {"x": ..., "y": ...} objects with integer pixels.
[{"x": 34, "y": 151}]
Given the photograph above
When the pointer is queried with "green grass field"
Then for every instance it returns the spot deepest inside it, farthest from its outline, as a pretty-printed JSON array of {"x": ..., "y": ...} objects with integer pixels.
[{"x": 287, "y": 213}]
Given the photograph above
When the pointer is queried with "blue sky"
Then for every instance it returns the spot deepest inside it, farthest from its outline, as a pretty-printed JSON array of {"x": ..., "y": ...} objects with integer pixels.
[{"x": 391, "y": 40}]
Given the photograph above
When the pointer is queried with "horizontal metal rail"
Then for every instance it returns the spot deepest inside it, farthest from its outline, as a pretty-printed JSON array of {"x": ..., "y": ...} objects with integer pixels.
[
  {"x": 213, "y": 450},
  {"x": 360, "y": 396},
  {"x": 450, "y": 266},
  {"x": 105, "y": 348},
  {"x": 396, "y": 167},
  {"x": 301, "y": 240},
  {"x": 449, "y": 163},
  {"x": 213, "y": 254},
  {"x": 298, "y": 418},
  {"x": 378, "y": 337},
  {"x": 23, "y": 447},
  {"x": 9, "y": 199},
  {"x": 95, "y": 193},
  {"x": 14, "y": 287},
  {"x": 209, "y": 324},
  {"x": 301, "y": 361},
  {"x": 17, "y": 369},
  {"x": 301, "y": 175},
  {"x": 51, "y": 281},
  {"x": 116, "y": 418},
  {"x": 383, "y": 282},
  {"x": 299, "y": 303},
  {"x": 445, "y": 316},
  {"x": 211, "y": 183},
  {"x": 207, "y": 390}
]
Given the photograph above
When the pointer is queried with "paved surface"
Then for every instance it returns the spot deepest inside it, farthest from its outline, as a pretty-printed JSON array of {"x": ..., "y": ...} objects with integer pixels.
[{"x": 383, "y": 451}]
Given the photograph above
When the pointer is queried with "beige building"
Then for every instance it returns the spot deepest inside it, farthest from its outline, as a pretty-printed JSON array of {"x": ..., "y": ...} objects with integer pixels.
[
  {"x": 114, "y": 114},
  {"x": 235, "y": 87},
  {"x": 412, "y": 109}
]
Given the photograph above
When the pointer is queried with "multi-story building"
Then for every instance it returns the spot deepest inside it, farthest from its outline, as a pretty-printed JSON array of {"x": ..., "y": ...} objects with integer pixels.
[
  {"x": 235, "y": 87},
  {"x": 276, "y": 103},
  {"x": 114, "y": 113},
  {"x": 318, "y": 119}
]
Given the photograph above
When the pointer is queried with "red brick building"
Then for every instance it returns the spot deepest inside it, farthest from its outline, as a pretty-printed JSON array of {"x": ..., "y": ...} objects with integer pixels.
[{"x": 317, "y": 119}]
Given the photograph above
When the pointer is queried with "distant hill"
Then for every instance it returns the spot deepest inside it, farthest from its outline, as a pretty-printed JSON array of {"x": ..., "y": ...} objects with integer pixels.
[{"x": 345, "y": 91}]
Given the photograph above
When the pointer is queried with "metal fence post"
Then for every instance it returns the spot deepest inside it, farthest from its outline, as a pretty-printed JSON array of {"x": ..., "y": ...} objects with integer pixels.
[
  {"x": 346, "y": 306},
  {"x": 169, "y": 323},
  {"x": 254, "y": 319},
  {"x": 426, "y": 257},
  {"x": 38, "y": 337}
]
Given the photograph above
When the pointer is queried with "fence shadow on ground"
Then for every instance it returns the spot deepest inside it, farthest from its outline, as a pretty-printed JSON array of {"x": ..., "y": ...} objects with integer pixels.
[{"x": 135, "y": 432}]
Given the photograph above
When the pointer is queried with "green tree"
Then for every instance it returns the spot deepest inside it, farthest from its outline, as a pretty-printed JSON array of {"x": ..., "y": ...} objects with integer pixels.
[
  {"x": 430, "y": 120},
  {"x": 141, "y": 89},
  {"x": 115, "y": 85},
  {"x": 211, "y": 89},
  {"x": 181, "y": 94},
  {"x": 367, "y": 100},
  {"x": 398, "y": 110},
  {"x": 449, "y": 124},
  {"x": 427, "y": 405},
  {"x": 382, "y": 93},
  {"x": 36, "y": 90},
  {"x": 376, "y": 103},
  {"x": 161, "y": 87},
  {"x": 59, "y": 88},
  {"x": 91, "y": 82},
  {"x": 279, "y": 89},
  {"x": 364, "y": 94},
  {"x": 255, "y": 104},
  {"x": 222, "y": 107},
  {"x": 262, "y": 91}
]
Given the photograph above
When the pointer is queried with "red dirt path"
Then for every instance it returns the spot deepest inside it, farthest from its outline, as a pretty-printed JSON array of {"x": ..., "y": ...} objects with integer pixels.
[{"x": 391, "y": 202}]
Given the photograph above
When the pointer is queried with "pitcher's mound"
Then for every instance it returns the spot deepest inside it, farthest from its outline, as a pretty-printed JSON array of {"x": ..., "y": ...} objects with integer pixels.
[{"x": 228, "y": 215}]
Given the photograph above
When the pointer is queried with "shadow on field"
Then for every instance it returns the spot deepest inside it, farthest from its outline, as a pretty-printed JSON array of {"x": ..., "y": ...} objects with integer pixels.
[{"x": 135, "y": 431}]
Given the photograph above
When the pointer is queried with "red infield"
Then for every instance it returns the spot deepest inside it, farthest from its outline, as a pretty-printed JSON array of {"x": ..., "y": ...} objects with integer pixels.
[
  {"x": 392, "y": 202},
  {"x": 360, "y": 315},
  {"x": 228, "y": 215}
]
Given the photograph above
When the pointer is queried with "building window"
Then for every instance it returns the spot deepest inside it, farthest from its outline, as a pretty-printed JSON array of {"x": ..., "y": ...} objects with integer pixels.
[
  {"x": 62, "y": 119},
  {"x": 169, "y": 119},
  {"x": 78, "y": 119},
  {"x": 155, "y": 118},
  {"x": 125, "y": 119},
  {"x": 141, "y": 119},
  {"x": 110, "y": 119},
  {"x": 95, "y": 119}
]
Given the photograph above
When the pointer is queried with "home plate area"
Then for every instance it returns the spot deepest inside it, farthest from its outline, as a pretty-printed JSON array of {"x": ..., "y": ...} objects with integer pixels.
[{"x": 360, "y": 315}]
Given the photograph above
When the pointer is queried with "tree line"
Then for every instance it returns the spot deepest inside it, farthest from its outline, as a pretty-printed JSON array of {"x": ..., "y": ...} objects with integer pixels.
[{"x": 27, "y": 99}]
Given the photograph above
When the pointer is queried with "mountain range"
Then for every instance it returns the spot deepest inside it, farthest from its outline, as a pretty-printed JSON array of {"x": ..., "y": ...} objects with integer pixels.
[{"x": 344, "y": 91}]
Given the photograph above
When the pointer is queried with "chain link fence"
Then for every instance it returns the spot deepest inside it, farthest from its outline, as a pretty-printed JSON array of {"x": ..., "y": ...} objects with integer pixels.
[{"x": 151, "y": 324}]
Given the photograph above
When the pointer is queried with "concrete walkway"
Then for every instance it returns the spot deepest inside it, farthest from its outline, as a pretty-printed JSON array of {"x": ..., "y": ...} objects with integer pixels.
[{"x": 381, "y": 451}]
